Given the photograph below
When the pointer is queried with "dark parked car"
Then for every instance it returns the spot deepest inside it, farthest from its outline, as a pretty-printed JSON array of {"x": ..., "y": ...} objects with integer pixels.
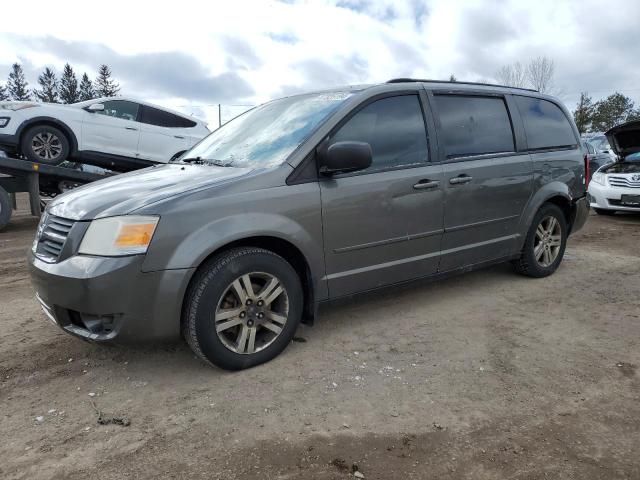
[
  {"x": 595, "y": 158},
  {"x": 307, "y": 199}
]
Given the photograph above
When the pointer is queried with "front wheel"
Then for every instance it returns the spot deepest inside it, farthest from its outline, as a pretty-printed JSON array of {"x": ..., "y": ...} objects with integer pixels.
[
  {"x": 242, "y": 308},
  {"x": 545, "y": 243},
  {"x": 45, "y": 144}
]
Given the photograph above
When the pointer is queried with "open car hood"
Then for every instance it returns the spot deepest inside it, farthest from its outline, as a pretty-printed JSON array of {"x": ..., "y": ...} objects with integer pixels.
[{"x": 625, "y": 138}]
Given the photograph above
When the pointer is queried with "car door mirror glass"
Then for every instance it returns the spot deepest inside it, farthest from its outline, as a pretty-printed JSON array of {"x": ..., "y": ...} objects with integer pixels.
[
  {"x": 342, "y": 157},
  {"x": 96, "y": 107}
]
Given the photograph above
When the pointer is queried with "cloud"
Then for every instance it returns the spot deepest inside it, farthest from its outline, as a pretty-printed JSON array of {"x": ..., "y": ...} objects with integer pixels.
[
  {"x": 173, "y": 74},
  {"x": 283, "y": 37},
  {"x": 247, "y": 51}
]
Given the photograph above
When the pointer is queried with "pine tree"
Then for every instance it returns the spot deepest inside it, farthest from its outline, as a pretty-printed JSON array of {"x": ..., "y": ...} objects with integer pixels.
[
  {"x": 452, "y": 78},
  {"x": 583, "y": 113},
  {"x": 86, "y": 89},
  {"x": 611, "y": 111},
  {"x": 105, "y": 86},
  {"x": 69, "y": 86},
  {"x": 48, "y": 87},
  {"x": 3, "y": 93},
  {"x": 17, "y": 85}
]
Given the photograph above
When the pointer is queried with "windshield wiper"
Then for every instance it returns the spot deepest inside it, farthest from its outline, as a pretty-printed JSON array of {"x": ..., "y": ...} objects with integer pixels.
[
  {"x": 192, "y": 160},
  {"x": 207, "y": 161}
]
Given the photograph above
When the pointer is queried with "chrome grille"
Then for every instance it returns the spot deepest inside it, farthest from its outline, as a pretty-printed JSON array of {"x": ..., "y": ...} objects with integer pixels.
[
  {"x": 52, "y": 236},
  {"x": 624, "y": 182}
]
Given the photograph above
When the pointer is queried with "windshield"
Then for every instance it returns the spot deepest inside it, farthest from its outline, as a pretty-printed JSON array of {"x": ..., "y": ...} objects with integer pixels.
[
  {"x": 266, "y": 135},
  {"x": 600, "y": 143}
]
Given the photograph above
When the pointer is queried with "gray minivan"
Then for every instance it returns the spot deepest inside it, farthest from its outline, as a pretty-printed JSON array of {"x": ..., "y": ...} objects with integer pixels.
[{"x": 307, "y": 199}]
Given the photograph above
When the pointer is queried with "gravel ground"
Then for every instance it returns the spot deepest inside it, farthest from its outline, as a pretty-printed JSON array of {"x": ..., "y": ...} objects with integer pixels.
[{"x": 485, "y": 376}]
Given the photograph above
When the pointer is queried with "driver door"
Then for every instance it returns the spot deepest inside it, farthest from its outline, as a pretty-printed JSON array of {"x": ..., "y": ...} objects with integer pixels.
[
  {"x": 383, "y": 225},
  {"x": 114, "y": 130}
]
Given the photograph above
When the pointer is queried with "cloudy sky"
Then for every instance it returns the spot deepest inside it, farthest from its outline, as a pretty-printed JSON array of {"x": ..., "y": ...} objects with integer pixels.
[{"x": 191, "y": 55}]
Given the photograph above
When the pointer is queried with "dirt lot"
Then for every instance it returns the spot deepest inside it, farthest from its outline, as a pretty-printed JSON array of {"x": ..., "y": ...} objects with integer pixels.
[{"x": 485, "y": 376}]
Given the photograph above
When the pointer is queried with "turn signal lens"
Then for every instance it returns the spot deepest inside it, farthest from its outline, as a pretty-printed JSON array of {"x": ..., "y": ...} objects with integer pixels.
[{"x": 135, "y": 235}]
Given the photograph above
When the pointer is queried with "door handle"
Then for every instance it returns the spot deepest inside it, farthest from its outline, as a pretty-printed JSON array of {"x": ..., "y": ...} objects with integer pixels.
[
  {"x": 424, "y": 184},
  {"x": 131, "y": 128},
  {"x": 460, "y": 180},
  {"x": 179, "y": 136}
]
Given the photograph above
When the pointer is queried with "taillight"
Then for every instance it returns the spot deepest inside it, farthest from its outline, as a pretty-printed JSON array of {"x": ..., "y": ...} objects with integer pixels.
[{"x": 587, "y": 171}]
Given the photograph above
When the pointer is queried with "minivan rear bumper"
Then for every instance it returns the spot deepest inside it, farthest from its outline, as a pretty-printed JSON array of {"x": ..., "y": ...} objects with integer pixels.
[
  {"x": 110, "y": 299},
  {"x": 579, "y": 213}
]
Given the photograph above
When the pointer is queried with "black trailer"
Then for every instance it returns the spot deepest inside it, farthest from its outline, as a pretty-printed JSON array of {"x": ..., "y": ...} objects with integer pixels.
[{"x": 39, "y": 181}]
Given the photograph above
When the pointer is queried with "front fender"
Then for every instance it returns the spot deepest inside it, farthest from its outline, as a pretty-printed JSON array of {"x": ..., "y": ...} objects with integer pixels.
[{"x": 193, "y": 230}]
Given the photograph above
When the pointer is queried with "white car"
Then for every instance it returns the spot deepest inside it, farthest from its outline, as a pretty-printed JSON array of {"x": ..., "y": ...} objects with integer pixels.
[
  {"x": 116, "y": 133},
  {"x": 616, "y": 186}
]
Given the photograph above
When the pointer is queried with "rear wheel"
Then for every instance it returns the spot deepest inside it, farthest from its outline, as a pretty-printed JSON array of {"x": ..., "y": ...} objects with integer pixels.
[
  {"x": 545, "y": 243},
  {"x": 604, "y": 211},
  {"x": 242, "y": 308},
  {"x": 45, "y": 144}
]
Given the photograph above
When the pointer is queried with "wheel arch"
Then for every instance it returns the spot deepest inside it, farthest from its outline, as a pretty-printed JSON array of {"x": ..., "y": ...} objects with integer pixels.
[
  {"x": 556, "y": 193},
  {"x": 53, "y": 122},
  {"x": 286, "y": 250}
]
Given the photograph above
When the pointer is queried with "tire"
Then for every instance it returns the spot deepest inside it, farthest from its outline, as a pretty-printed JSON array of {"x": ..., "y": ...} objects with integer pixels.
[
  {"x": 6, "y": 208},
  {"x": 214, "y": 317},
  {"x": 603, "y": 211},
  {"x": 529, "y": 263},
  {"x": 45, "y": 144}
]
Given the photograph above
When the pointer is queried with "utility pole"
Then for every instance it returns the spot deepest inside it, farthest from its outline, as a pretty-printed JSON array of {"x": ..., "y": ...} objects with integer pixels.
[{"x": 219, "y": 115}]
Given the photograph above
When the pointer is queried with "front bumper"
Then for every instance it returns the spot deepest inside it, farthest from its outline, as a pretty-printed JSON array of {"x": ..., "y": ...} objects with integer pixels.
[
  {"x": 8, "y": 140},
  {"x": 608, "y": 198},
  {"x": 110, "y": 299}
]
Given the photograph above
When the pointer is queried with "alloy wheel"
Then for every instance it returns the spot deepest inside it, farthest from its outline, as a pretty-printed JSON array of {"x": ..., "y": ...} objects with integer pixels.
[
  {"x": 46, "y": 145},
  {"x": 548, "y": 241},
  {"x": 251, "y": 313}
]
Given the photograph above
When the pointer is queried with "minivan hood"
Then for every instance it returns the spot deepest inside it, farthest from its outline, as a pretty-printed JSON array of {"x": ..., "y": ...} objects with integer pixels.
[
  {"x": 625, "y": 138},
  {"x": 127, "y": 192}
]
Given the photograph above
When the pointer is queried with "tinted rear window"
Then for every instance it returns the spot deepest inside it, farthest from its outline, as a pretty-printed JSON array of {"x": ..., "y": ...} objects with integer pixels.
[
  {"x": 160, "y": 118},
  {"x": 545, "y": 123},
  {"x": 474, "y": 125}
]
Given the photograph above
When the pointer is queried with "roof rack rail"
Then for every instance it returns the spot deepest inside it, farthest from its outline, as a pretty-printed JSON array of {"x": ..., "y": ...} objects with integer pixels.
[{"x": 408, "y": 80}]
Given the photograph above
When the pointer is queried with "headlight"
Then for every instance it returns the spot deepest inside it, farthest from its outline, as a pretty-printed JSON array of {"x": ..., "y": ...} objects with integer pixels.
[
  {"x": 599, "y": 178},
  {"x": 117, "y": 236},
  {"x": 17, "y": 105},
  {"x": 4, "y": 121}
]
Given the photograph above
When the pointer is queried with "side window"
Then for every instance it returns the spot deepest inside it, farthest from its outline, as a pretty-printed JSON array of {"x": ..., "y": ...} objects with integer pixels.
[
  {"x": 545, "y": 123},
  {"x": 474, "y": 125},
  {"x": 121, "y": 109},
  {"x": 394, "y": 127},
  {"x": 160, "y": 118}
]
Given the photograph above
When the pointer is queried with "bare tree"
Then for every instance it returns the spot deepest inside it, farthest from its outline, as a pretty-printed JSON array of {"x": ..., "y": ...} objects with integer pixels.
[
  {"x": 540, "y": 74},
  {"x": 514, "y": 75}
]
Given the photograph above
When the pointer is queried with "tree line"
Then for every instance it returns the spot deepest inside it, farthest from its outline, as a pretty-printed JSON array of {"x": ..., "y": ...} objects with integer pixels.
[
  {"x": 66, "y": 89},
  {"x": 604, "y": 114}
]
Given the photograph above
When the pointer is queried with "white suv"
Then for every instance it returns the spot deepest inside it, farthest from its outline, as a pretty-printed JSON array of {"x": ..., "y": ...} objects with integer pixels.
[{"x": 115, "y": 133}]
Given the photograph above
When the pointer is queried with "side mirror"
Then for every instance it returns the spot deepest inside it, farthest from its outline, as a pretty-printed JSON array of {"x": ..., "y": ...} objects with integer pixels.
[
  {"x": 345, "y": 157},
  {"x": 95, "y": 107}
]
